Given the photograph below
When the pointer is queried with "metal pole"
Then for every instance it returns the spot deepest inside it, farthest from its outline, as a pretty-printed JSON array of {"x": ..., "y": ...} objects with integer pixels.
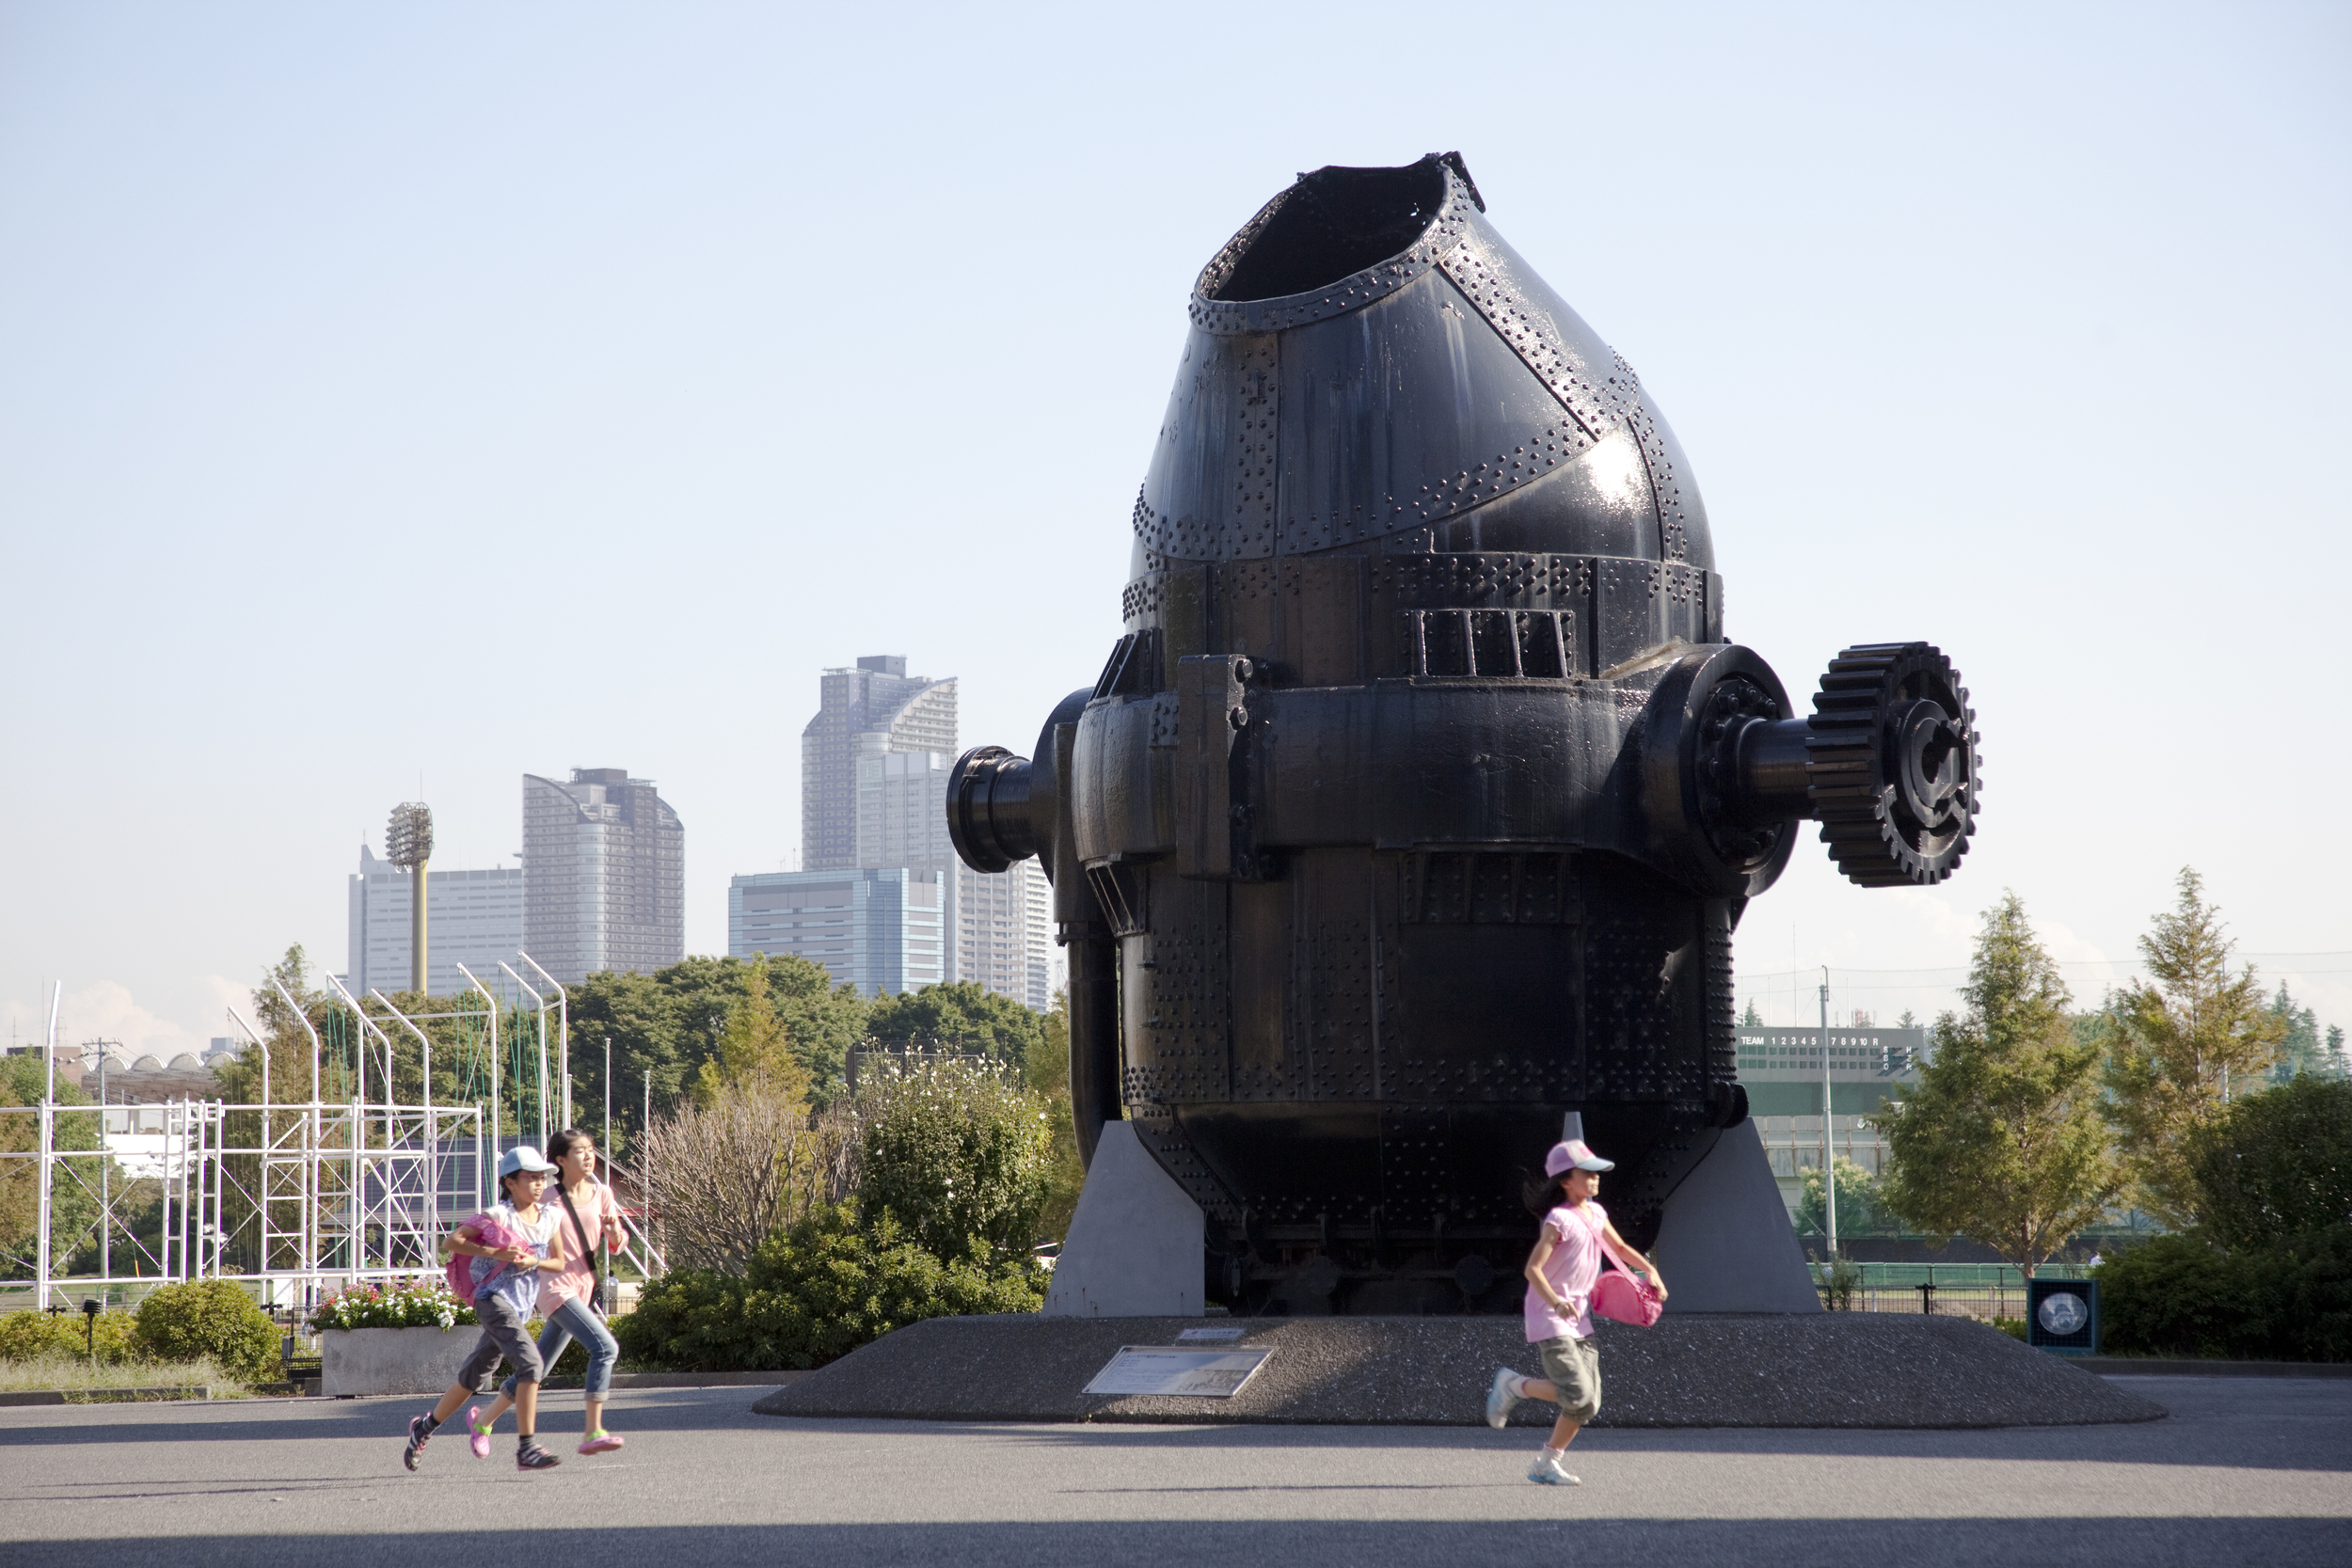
[
  {"x": 358, "y": 1128},
  {"x": 563, "y": 1035},
  {"x": 421, "y": 900},
  {"x": 494, "y": 1072},
  {"x": 1828, "y": 1157},
  {"x": 367, "y": 1023},
  {"x": 432, "y": 1145},
  {"x": 48, "y": 1143},
  {"x": 162, "y": 1235},
  {"x": 316, "y": 1049},
  {"x": 543, "y": 1049}
]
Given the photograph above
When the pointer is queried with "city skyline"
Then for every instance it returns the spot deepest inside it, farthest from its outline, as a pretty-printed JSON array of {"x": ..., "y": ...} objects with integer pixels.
[{"x": 311, "y": 306}]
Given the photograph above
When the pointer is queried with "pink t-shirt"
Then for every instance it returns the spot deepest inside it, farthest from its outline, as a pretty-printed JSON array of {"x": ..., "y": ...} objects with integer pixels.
[
  {"x": 577, "y": 1282},
  {"x": 1573, "y": 1269}
]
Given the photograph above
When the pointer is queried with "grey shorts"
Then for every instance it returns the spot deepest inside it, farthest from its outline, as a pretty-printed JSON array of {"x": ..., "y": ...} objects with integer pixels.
[
  {"x": 502, "y": 1338},
  {"x": 1573, "y": 1368}
]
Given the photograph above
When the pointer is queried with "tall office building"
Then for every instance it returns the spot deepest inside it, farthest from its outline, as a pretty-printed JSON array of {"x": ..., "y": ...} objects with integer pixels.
[
  {"x": 874, "y": 767},
  {"x": 476, "y": 918},
  {"x": 878, "y": 698},
  {"x": 882, "y": 930},
  {"x": 1005, "y": 933},
  {"x": 604, "y": 875}
]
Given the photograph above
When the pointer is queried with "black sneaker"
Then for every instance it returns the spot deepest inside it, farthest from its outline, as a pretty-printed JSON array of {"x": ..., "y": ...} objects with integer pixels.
[
  {"x": 531, "y": 1456},
  {"x": 418, "y": 1438}
]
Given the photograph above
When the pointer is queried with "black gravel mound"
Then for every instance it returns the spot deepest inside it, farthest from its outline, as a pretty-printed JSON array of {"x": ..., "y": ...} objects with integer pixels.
[{"x": 1826, "y": 1370}]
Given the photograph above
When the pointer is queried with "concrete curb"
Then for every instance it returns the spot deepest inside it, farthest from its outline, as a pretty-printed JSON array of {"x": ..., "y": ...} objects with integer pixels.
[
  {"x": 1818, "y": 1369},
  {"x": 105, "y": 1395},
  {"x": 2152, "y": 1365}
]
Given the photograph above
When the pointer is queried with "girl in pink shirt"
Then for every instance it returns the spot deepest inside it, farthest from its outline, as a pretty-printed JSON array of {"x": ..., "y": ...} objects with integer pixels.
[
  {"x": 1561, "y": 1273},
  {"x": 586, "y": 1217}
]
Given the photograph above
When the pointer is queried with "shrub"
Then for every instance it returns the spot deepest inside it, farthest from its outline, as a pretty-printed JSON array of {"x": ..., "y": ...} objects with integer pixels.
[
  {"x": 404, "y": 1303},
  {"x": 728, "y": 1175},
  {"x": 37, "y": 1335},
  {"x": 209, "y": 1317},
  {"x": 812, "y": 1294},
  {"x": 2182, "y": 1295},
  {"x": 961, "y": 1158},
  {"x": 2277, "y": 1165}
]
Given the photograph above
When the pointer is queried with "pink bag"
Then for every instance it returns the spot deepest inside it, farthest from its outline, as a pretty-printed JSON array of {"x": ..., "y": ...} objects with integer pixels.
[
  {"x": 1626, "y": 1299},
  {"x": 481, "y": 1230},
  {"x": 1621, "y": 1296}
]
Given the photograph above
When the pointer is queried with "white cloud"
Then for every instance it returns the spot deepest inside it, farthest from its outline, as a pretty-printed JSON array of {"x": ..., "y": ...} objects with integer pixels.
[{"x": 108, "y": 1011}]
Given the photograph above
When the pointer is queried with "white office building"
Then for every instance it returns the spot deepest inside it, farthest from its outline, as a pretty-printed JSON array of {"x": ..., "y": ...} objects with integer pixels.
[
  {"x": 881, "y": 929},
  {"x": 473, "y": 918}
]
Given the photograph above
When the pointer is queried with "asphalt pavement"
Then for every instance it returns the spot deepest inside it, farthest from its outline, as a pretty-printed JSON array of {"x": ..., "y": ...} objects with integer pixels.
[{"x": 2243, "y": 1471}]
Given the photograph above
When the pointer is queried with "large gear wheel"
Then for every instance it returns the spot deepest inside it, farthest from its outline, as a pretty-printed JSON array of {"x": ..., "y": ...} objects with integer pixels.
[{"x": 1891, "y": 764}]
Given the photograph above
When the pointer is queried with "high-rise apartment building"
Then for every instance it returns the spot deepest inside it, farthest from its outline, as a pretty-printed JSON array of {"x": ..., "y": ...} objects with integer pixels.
[
  {"x": 1005, "y": 933},
  {"x": 882, "y": 930},
  {"x": 604, "y": 875},
  {"x": 878, "y": 698},
  {"x": 475, "y": 919},
  {"x": 874, "y": 767}
]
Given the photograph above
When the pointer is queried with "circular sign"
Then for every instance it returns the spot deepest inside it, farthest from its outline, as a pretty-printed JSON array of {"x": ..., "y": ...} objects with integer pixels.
[{"x": 2063, "y": 1312}]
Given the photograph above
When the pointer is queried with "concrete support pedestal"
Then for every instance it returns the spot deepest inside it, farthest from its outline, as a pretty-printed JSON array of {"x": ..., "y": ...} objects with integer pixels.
[
  {"x": 1134, "y": 1246},
  {"x": 1725, "y": 1242}
]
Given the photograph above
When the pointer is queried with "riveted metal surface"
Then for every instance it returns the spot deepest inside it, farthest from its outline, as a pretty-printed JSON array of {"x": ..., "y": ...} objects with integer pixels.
[
  {"x": 1588, "y": 378},
  {"x": 1447, "y": 224},
  {"x": 1403, "y": 794}
]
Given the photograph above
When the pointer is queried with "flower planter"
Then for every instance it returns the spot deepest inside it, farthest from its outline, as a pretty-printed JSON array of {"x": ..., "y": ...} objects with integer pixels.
[{"x": 392, "y": 1360}]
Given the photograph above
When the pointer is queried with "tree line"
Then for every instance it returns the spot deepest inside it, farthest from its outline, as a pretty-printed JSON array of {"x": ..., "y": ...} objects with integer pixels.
[{"x": 2031, "y": 1118}]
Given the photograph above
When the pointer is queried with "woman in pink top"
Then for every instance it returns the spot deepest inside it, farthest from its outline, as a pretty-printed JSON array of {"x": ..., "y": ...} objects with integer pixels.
[
  {"x": 586, "y": 1217},
  {"x": 1561, "y": 1273}
]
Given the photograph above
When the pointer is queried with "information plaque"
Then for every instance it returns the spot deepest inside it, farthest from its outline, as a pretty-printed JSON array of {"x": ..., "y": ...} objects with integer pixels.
[
  {"x": 1208, "y": 1336},
  {"x": 1174, "y": 1369}
]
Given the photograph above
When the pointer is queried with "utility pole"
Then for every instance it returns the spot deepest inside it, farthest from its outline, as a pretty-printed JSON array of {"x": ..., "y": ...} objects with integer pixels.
[
  {"x": 1829, "y": 1158},
  {"x": 408, "y": 843}
]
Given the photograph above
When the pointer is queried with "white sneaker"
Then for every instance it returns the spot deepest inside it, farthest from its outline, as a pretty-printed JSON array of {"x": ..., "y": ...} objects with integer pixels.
[
  {"x": 1502, "y": 1396},
  {"x": 1548, "y": 1471}
]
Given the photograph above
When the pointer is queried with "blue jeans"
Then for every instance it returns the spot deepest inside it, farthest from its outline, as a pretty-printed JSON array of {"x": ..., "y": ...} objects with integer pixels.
[{"x": 577, "y": 1320}]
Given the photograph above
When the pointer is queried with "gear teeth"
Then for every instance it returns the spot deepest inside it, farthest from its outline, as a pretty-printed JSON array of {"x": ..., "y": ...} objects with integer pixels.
[{"x": 1852, "y": 783}]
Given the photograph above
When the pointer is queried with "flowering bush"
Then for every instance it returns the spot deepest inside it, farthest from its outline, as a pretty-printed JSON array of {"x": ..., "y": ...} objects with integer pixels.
[{"x": 404, "y": 1304}]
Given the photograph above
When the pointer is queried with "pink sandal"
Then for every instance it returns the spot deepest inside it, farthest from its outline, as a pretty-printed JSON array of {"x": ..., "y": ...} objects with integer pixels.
[
  {"x": 478, "y": 1434},
  {"x": 603, "y": 1442}
]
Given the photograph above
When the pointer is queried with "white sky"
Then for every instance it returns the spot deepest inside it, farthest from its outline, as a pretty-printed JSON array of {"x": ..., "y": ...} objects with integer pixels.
[{"x": 444, "y": 392}]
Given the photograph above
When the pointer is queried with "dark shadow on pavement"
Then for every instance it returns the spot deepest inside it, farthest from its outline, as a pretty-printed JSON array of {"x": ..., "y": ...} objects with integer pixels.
[{"x": 1576, "y": 1536}]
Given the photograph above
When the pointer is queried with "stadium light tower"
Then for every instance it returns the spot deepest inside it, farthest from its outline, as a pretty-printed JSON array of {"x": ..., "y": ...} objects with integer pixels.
[{"x": 408, "y": 844}]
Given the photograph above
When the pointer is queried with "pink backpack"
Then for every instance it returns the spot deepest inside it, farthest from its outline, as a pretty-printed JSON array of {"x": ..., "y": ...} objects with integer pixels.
[{"x": 481, "y": 1230}]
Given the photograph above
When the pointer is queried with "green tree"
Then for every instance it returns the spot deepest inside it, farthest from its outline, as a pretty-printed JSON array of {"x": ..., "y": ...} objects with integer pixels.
[
  {"x": 1751, "y": 1018},
  {"x": 669, "y": 1022},
  {"x": 1047, "y": 1074},
  {"x": 2275, "y": 1165},
  {"x": 959, "y": 1155},
  {"x": 2001, "y": 1140},
  {"x": 963, "y": 1017},
  {"x": 1860, "y": 1211},
  {"x": 754, "y": 1049},
  {"x": 2175, "y": 1048},
  {"x": 74, "y": 1182},
  {"x": 2300, "y": 1048}
]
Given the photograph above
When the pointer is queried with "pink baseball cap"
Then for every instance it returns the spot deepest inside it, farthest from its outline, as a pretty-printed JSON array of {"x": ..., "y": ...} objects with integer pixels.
[{"x": 1575, "y": 1152}]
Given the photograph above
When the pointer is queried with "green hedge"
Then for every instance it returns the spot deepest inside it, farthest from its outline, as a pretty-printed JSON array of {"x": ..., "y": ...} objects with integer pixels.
[
  {"x": 2182, "y": 1295},
  {"x": 814, "y": 1293},
  {"x": 209, "y": 1317},
  {"x": 32, "y": 1336}
]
